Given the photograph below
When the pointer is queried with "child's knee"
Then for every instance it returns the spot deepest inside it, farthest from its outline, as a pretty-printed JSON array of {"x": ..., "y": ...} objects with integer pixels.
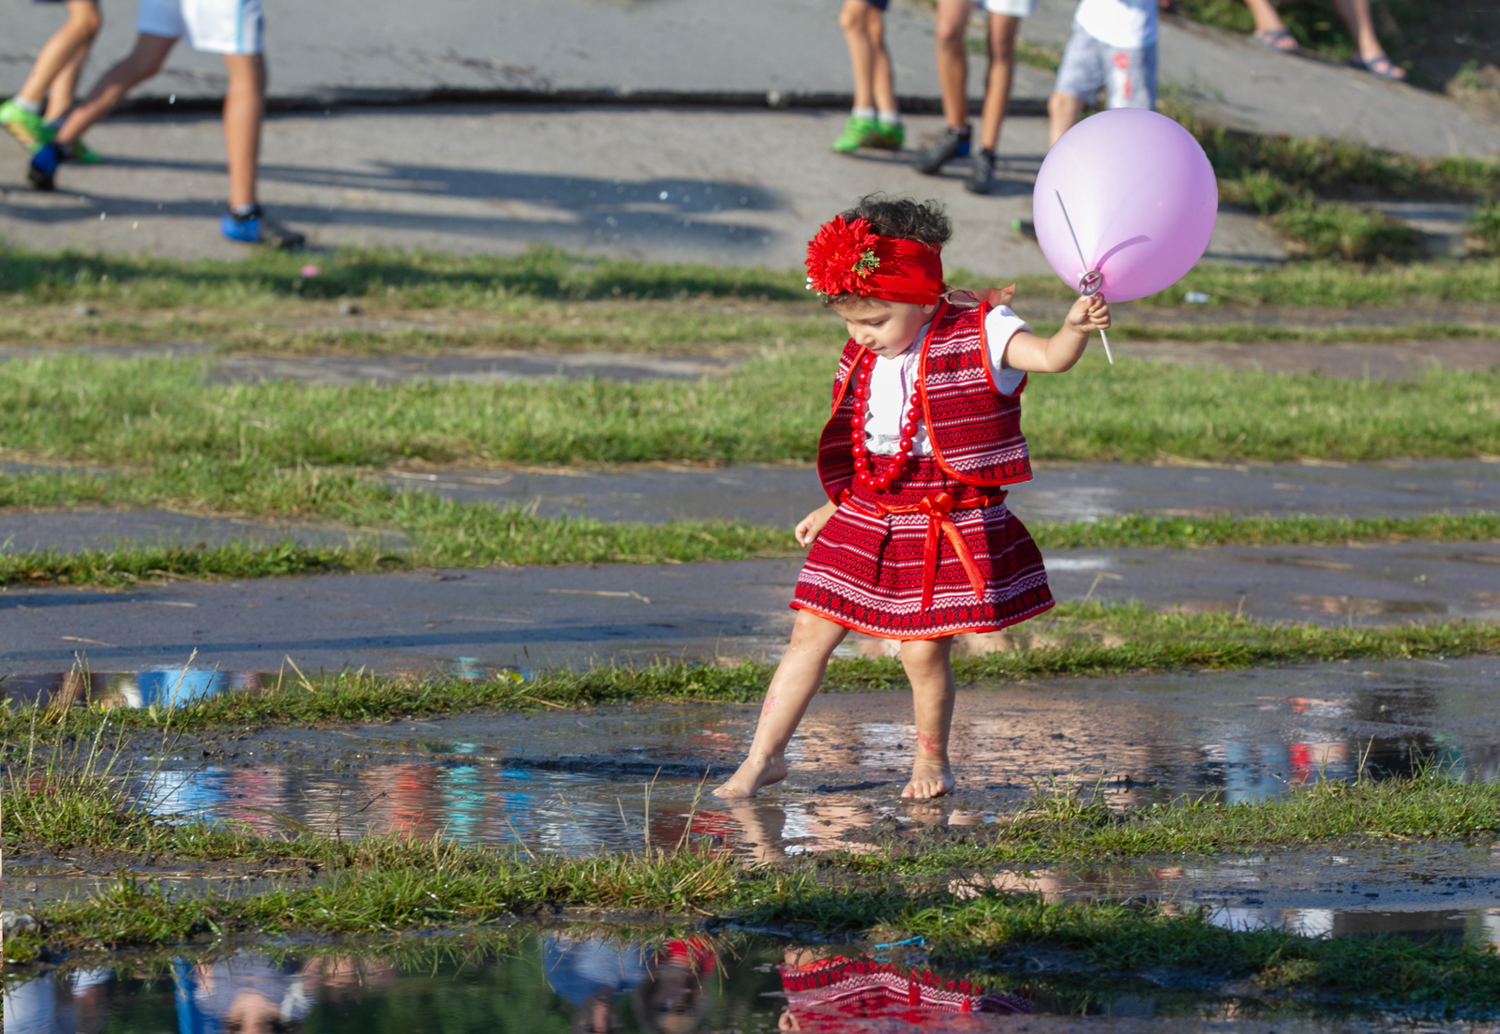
[
  {"x": 84, "y": 18},
  {"x": 852, "y": 15}
]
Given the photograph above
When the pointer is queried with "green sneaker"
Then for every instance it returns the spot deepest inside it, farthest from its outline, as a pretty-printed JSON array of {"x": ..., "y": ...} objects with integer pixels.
[
  {"x": 858, "y": 132},
  {"x": 27, "y": 128},
  {"x": 890, "y": 135},
  {"x": 84, "y": 155}
]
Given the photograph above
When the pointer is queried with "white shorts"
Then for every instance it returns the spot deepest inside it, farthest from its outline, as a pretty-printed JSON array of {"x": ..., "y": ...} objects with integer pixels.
[
  {"x": 212, "y": 26},
  {"x": 1014, "y": 8}
]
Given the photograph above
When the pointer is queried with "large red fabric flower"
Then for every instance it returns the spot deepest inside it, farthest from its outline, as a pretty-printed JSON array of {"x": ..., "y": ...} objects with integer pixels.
[{"x": 841, "y": 257}]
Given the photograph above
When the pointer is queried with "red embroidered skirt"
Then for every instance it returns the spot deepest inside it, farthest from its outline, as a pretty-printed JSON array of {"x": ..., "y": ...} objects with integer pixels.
[{"x": 866, "y": 569}]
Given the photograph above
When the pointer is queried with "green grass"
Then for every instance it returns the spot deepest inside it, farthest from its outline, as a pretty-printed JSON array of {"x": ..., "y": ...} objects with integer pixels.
[
  {"x": 222, "y": 443},
  {"x": 1076, "y": 639},
  {"x": 475, "y": 535},
  {"x": 384, "y": 884}
]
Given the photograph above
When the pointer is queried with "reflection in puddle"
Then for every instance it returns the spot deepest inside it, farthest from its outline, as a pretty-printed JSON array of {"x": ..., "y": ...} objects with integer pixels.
[
  {"x": 592, "y": 983},
  {"x": 1362, "y": 607},
  {"x": 164, "y": 688}
]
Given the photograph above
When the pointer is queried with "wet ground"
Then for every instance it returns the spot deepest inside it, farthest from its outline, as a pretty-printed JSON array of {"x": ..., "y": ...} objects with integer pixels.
[
  {"x": 536, "y": 617},
  {"x": 617, "y": 778},
  {"x": 1060, "y": 492},
  {"x": 71, "y": 531},
  {"x": 642, "y": 982}
]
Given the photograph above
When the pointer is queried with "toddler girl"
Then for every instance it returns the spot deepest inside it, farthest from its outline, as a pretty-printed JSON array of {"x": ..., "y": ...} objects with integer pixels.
[{"x": 915, "y": 543}]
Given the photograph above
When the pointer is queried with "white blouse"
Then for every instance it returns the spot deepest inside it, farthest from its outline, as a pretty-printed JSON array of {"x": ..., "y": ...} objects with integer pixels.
[{"x": 892, "y": 381}]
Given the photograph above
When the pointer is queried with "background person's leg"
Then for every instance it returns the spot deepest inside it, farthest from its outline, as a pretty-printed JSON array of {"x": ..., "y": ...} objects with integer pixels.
[
  {"x": 1003, "y": 29},
  {"x": 47, "y": 92},
  {"x": 1356, "y": 15},
  {"x": 67, "y": 46},
  {"x": 1269, "y": 28},
  {"x": 932, "y": 692},
  {"x": 953, "y": 77},
  {"x": 244, "y": 108},
  {"x": 861, "y": 130},
  {"x": 142, "y": 63}
]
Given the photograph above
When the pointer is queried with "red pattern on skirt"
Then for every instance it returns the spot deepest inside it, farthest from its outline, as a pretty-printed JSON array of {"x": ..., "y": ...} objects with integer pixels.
[{"x": 865, "y": 571}]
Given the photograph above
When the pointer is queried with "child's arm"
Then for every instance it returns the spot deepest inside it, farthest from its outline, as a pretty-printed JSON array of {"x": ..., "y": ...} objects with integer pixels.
[
  {"x": 809, "y": 527},
  {"x": 1058, "y": 353}
]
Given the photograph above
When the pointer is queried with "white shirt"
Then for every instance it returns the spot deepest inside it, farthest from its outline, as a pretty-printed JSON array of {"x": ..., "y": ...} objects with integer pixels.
[
  {"x": 892, "y": 382},
  {"x": 1122, "y": 24}
]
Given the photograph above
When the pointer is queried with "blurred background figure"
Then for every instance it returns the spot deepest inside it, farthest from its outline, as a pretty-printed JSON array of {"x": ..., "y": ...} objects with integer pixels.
[
  {"x": 75, "y": 1003},
  {"x": 234, "y": 29},
  {"x": 1112, "y": 48},
  {"x": 1004, "y": 17},
  {"x": 876, "y": 119},
  {"x": 1369, "y": 55},
  {"x": 33, "y": 115}
]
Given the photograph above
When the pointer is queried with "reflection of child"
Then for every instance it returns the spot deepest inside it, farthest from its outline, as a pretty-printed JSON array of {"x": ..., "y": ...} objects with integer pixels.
[
  {"x": 592, "y": 973},
  {"x": 671, "y": 1000},
  {"x": 916, "y": 543},
  {"x": 839, "y": 996}
]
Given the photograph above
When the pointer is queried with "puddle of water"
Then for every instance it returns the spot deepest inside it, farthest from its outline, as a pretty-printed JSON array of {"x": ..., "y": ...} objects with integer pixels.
[
  {"x": 165, "y": 687},
  {"x": 596, "y": 982}
]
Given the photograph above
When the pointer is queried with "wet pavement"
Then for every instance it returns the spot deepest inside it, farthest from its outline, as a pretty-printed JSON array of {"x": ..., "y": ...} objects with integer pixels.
[
  {"x": 538, "y": 617},
  {"x": 71, "y": 531},
  {"x": 782, "y": 495},
  {"x": 615, "y": 778},
  {"x": 611, "y": 978}
]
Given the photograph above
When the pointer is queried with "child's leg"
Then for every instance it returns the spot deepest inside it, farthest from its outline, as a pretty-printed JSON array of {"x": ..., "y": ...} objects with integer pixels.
[
  {"x": 65, "y": 45},
  {"x": 792, "y": 687},
  {"x": 928, "y": 667},
  {"x": 1063, "y": 110},
  {"x": 997, "y": 90}
]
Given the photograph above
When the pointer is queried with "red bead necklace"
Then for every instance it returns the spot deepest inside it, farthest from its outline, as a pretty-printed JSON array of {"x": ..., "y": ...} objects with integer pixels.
[{"x": 862, "y": 465}]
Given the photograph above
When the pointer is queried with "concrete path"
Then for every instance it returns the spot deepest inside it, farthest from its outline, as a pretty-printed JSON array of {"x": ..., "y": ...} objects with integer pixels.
[
  {"x": 353, "y": 50},
  {"x": 469, "y": 621},
  {"x": 743, "y": 187},
  {"x": 74, "y": 530}
]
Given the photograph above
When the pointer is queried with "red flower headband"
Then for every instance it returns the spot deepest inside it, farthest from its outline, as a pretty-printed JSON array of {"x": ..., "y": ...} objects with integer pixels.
[{"x": 848, "y": 258}]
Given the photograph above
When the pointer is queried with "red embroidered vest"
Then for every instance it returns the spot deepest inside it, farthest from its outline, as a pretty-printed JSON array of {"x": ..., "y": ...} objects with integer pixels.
[{"x": 975, "y": 431}]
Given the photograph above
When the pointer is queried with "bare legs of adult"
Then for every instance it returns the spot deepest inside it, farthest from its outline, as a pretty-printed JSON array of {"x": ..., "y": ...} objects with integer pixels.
[
  {"x": 932, "y": 690},
  {"x": 244, "y": 108},
  {"x": 792, "y": 688},
  {"x": 864, "y": 32},
  {"x": 54, "y": 75},
  {"x": 876, "y": 120},
  {"x": 953, "y": 60},
  {"x": 1372, "y": 57},
  {"x": 1063, "y": 110},
  {"x": 1269, "y": 28},
  {"x": 141, "y": 64}
]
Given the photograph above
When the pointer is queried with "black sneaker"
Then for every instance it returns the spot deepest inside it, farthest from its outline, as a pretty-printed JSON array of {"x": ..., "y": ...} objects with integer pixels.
[
  {"x": 42, "y": 172},
  {"x": 953, "y": 145},
  {"x": 981, "y": 171}
]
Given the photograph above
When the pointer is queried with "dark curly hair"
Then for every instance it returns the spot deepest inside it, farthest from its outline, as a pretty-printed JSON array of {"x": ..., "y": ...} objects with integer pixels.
[{"x": 923, "y": 221}]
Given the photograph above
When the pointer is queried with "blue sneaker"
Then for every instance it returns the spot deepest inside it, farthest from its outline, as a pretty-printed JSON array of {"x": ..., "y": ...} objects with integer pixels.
[
  {"x": 42, "y": 172},
  {"x": 258, "y": 228},
  {"x": 953, "y": 144}
]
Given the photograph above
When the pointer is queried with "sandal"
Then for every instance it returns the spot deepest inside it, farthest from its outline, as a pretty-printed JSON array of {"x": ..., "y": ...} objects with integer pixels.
[
  {"x": 1381, "y": 66},
  {"x": 1274, "y": 39}
]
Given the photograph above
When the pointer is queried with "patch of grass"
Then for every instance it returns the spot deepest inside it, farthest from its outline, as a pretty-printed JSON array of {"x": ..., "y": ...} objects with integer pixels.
[
  {"x": 1484, "y": 225},
  {"x": 1076, "y": 639},
  {"x": 250, "y": 446},
  {"x": 380, "y": 884},
  {"x": 476, "y": 535}
]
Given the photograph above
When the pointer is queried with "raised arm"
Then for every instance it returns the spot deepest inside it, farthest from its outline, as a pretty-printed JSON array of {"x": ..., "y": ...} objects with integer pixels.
[{"x": 1059, "y": 353}]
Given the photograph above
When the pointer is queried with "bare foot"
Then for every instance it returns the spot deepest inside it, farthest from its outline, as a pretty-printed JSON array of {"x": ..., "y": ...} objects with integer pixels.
[
  {"x": 929, "y": 779},
  {"x": 752, "y": 775}
]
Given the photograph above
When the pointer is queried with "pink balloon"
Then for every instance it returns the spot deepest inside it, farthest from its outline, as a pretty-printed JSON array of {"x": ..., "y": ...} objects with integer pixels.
[{"x": 1142, "y": 198}]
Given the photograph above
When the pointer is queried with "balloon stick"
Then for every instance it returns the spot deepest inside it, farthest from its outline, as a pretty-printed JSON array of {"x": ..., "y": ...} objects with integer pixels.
[{"x": 1089, "y": 281}]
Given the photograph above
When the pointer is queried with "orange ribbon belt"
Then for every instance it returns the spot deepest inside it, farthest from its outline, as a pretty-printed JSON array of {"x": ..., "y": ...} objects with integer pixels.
[{"x": 940, "y": 525}]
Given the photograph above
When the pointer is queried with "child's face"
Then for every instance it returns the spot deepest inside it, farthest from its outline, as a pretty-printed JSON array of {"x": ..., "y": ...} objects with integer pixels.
[{"x": 885, "y": 328}]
